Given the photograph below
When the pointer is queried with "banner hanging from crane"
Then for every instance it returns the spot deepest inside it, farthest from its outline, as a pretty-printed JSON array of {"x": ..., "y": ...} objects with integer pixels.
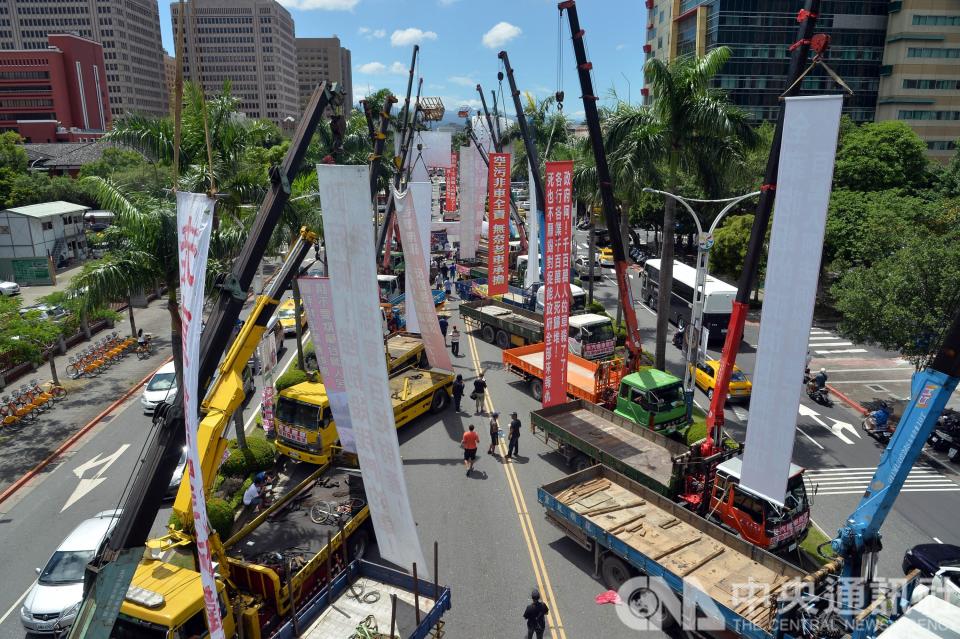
[
  {"x": 450, "y": 174},
  {"x": 318, "y": 305},
  {"x": 344, "y": 195},
  {"x": 194, "y": 225},
  {"x": 558, "y": 214},
  {"x": 470, "y": 165},
  {"x": 498, "y": 235},
  {"x": 533, "y": 232},
  {"x": 810, "y": 128},
  {"x": 418, "y": 277},
  {"x": 421, "y": 193}
]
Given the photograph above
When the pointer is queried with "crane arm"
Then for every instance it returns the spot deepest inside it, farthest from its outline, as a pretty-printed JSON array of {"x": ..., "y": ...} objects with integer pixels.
[
  {"x": 610, "y": 212},
  {"x": 930, "y": 391}
]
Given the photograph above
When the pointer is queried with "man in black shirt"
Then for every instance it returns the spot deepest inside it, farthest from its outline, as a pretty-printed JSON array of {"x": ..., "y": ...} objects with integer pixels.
[
  {"x": 534, "y": 614},
  {"x": 513, "y": 435}
]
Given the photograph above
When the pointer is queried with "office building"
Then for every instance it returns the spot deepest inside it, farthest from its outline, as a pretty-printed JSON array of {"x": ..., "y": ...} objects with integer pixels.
[
  {"x": 129, "y": 31},
  {"x": 760, "y": 34},
  {"x": 249, "y": 43},
  {"x": 53, "y": 229},
  {"x": 322, "y": 60},
  {"x": 170, "y": 76},
  {"x": 920, "y": 76},
  {"x": 56, "y": 94}
]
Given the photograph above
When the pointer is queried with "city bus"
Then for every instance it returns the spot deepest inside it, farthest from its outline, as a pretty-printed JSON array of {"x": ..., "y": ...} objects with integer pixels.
[{"x": 717, "y": 302}]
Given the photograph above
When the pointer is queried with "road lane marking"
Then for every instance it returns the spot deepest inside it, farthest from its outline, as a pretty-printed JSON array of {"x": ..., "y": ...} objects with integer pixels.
[
  {"x": 831, "y": 344},
  {"x": 871, "y": 370},
  {"x": 842, "y": 350},
  {"x": 815, "y": 442},
  {"x": 869, "y": 381},
  {"x": 555, "y": 624},
  {"x": 936, "y": 540},
  {"x": 15, "y": 604},
  {"x": 86, "y": 484}
]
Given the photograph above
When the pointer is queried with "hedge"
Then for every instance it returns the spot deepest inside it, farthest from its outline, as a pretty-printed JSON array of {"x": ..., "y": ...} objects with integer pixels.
[
  {"x": 292, "y": 377},
  {"x": 220, "y": 513},
  {"x": 259, "y": 455}
]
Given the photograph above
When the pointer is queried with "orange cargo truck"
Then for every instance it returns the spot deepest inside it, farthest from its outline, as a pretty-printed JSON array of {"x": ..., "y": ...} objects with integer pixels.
[{"x": 595, "y": 382}]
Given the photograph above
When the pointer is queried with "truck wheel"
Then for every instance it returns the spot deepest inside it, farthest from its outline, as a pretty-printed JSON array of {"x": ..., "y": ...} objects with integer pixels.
[
  {"x": 536, "y": 389},
  {"x": 647, "y": 604},
  {"x": 503, "y": 340},
  {"x": 614, "y": 572},
  {"x": 581, "y": 462},
  {"x": 439, "y": 401},
  {"x": 710, "y": 394},
  {"x": 357, "y": 544},
  {"x": 488, "y": 334}
]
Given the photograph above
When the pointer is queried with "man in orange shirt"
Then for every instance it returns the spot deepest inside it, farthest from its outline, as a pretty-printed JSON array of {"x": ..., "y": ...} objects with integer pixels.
[{"x": 469, "y": 443}]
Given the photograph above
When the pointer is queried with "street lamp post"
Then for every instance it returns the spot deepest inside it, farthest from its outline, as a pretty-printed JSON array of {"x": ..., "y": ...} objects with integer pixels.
[{"x": 704, "y": 244}]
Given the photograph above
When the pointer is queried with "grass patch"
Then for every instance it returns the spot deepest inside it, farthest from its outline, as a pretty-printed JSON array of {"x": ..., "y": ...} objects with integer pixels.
[{"x": 815, "y": 537}]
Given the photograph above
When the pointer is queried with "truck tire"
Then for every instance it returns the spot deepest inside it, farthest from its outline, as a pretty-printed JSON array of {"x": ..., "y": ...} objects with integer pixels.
[
  {"x": 581, "y": 462},
  {"x": 614, "y": 572},
  {"x": 536, "y": 389},
  {"x": 503, "y": 339},
  {"x": 488, "y": 334},
  {"x": 439, "y": 401},
  {"x": 646, "y": 604},
  {"x": 358, "y": 544}
]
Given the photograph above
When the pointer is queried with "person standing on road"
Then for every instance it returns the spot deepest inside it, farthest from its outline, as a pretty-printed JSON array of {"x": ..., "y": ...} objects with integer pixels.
[
  {"x": 513, "y": 436},
  {"x": 469, "y": 443},
  {"x": 479, "y": 392},
  {"x": 535, "y": 614},
  {"x": 438, "y": 282},
  {"x": 457, "y": 392},
  {"x": 494, "y": 431},
  {"x": 443, "y": 328},
  {"x": 455, "y": 342}
]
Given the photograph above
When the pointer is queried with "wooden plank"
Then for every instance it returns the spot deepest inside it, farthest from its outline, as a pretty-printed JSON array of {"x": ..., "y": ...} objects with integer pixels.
[
  {"x": 719, "y": 550},
  {"x": 677, "y": 546}
]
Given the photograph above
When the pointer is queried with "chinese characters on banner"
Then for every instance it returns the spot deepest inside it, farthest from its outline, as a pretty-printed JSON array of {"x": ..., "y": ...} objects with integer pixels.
[
  {"x": 418, "y": 277},
  {"x": 268, "y": 361},
  {"x": 318, "y": 305},
  {"x": 558, "y": 216},
  {"x": 498, "y": 182},
  {"x": 450, "y": 173},
  {"x": 194, "y": 224}
]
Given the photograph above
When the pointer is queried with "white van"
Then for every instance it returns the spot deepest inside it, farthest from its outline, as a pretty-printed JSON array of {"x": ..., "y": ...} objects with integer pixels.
[
  {"x": 592, "y": 336},
  {"x": 578, "y": 299}
]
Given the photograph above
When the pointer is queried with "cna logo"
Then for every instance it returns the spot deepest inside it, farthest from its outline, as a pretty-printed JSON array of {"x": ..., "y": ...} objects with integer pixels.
[
  {"x": 648, "y": 603},
  {"x": 926, "y": 394}
]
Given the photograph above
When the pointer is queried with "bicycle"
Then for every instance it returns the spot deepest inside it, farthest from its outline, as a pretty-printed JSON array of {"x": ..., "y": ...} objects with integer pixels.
[
  {"x": 10, "y": 421},
  {"x": 145, "y": 349},
  {"x": 17, "y": 409},
  {"x": 35, "y": 396},
  {"x": 332, "y": 512},
  {"x": 57, "y": 391}
]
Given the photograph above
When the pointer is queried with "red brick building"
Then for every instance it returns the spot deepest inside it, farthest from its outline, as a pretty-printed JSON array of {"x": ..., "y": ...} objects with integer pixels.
[{"x": 57, "y": 94}]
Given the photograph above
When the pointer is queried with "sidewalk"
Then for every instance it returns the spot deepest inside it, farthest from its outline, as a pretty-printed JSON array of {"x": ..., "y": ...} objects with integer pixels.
[{"x": 86, "y": 398}]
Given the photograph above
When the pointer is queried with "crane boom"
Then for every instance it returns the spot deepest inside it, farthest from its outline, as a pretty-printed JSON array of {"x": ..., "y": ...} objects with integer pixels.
[
  {"x": 106, "y": 582},
  {"x": 610, "y": 213}
]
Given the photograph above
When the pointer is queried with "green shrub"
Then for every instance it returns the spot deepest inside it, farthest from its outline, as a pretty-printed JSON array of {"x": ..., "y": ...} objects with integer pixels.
[
  {"x": 596, "y": 307},
  {"x": 220, "y": 514},
  {"x": 259, "y": 455},
  {"x": 292, "y": 377}
]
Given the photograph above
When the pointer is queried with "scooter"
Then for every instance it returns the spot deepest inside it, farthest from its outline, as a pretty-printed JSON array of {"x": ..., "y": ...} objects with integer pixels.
[
  {"x": 678, "y": 337},
  {"x": 817, "y": 394},
  {"x": 877, "y": 424}
]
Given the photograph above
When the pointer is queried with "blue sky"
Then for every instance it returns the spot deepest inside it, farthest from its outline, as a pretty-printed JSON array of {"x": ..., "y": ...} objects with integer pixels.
[{"x": 459, "y": 41}]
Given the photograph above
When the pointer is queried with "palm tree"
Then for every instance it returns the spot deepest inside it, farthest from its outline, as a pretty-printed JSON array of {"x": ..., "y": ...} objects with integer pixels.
[
  {"x": 548, "y": 127},
  {"x": 691, "y": 128}
]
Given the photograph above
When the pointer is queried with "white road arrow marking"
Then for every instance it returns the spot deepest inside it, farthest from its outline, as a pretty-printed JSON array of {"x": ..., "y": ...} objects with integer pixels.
[
  {"x": 836, "y": 429},
  {"x": 86, "y": 484}
]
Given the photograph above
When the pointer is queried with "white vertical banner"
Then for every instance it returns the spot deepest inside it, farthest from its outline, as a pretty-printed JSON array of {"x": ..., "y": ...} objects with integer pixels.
[
  {"x": 194, "y": 225},
  {"x": 268, "y": 361},
  {"x": 533, "y": 233},
  {"x": 436, "y": 147},
  {"x": 480, "y": 191},
  {"x": 796, "y": 242},
  {"x": 421, "y": 192},
  {"x": 420, "y": 300},
  {"x": 318, "y": 305},
  {"x": 468, "y": 186},
  {"x": 345, "y": 198}
]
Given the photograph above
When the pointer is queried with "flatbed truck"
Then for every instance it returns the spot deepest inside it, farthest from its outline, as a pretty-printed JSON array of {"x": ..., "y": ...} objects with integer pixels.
[
  {"x": 633, "y": 531},
  {"x": 586, "y": 434},
  {"x": 306, "y": 430},
  {"x": 596, "y": 382},
  {"x": 405, "y": 350}
]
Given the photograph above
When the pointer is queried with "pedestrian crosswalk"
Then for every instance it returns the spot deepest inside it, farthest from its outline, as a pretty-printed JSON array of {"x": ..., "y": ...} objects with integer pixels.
[
  {"x": 854, "y": 481},
  {"x": 823, "y": 342}
]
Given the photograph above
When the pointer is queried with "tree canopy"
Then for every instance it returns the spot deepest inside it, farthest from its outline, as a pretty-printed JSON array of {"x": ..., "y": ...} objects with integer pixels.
[{"x": 877, "y": 156}]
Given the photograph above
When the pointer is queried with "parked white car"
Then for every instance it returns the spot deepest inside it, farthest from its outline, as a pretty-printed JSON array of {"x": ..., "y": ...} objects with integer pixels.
[
  {"x": 52, "y": 603},
  {"x": 9, "y": 289},
  {"x": 581, "y": 266},
  {"x": 161, "y": 386}
]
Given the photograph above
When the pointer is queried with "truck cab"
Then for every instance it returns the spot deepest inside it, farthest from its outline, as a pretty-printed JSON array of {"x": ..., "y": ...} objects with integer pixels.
[
  {"x": 755, "y": 518},
  {"x": 389, "y": 287},
  {"x": 591, "y": 336},
  {"x": 653, "y": 398},
  {"x": 578, "y": 297}
]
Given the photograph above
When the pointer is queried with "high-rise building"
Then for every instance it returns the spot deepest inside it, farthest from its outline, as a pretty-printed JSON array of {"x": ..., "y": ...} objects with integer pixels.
[
  {"x": 323, "y": 60},
  {"x": 170, "y": 75},
  {"x": 56, "y": 94},
  {"x": 920, "y": 76},
  {"x": 129, "y": 31},
  {"x": 760, "y": 34},
  {"x": 249, "y": 43}
]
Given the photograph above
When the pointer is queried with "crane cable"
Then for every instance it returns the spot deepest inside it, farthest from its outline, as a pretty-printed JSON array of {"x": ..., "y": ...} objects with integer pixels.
[{"x": 198, "y": 62}]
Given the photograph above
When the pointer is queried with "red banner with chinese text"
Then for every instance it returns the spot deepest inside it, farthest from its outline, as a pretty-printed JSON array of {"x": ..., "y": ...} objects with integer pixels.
[
  {"x": 498, "y": 236},
  {"x": 558, "y": 192},
  {"x": 450, "y": 173}
]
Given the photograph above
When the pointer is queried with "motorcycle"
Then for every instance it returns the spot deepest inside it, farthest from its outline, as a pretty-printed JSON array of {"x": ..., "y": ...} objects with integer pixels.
[
  {"x": 946, "y": 435},
  {"x": 818, "y": 394},
  {"x": 876, "y": 423},
  {"x": 678, "y": 337}
]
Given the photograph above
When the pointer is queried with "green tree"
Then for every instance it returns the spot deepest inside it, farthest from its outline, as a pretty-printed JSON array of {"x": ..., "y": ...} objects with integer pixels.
[
  {"x": 690, "y": 128},
  {"x": 12, "y": 155},
  {"x": 112, "y": 161},
  {"x": 877, "y": 156},
  {"x": 906, "y": 300},
  {"x": 28, "y": 336},
  {"x": 547, "y": 127}
]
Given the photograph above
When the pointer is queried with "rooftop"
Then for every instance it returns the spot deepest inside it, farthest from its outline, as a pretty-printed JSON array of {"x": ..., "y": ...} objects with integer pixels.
[
  {"x": 62, "y": 155},
  {"x": 49, "y": 209}
]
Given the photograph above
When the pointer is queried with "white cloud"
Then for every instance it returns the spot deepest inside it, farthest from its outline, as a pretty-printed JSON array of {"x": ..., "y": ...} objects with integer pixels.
[
  {"x": 463, "y": 80},
  {"x": 413, "y": 35},
  {"x": 399, "y": 69},
  {"x": 621, "y": 47},
  {"x": 447, "y": 3},
  {"x": 363, "y": 30},
  {"x": 500, "y": 34},
  {"x": 372, "y": 68},
  {"x": 379, "y": 33},
  {"x": 323, "y": 5},
  {"x": 370, "y": 34}
]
